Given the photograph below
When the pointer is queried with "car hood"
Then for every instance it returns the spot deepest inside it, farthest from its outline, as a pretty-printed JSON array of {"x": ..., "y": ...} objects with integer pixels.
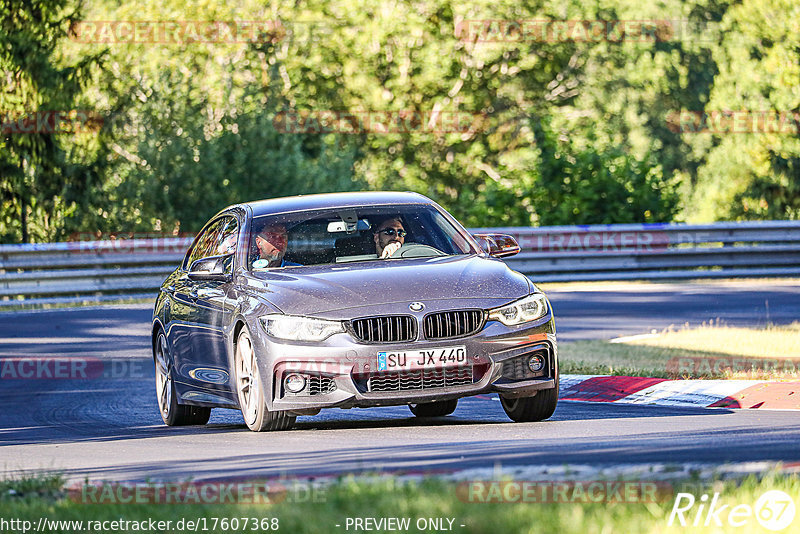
[{"x": 317, "y": 290}]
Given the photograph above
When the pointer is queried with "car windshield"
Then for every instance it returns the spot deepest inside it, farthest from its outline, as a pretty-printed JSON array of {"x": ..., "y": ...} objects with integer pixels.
[{"x": 346, "y": 235}]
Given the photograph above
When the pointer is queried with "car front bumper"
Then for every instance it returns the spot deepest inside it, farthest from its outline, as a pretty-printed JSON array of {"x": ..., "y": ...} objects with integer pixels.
[{"x": 343, "y": 373}]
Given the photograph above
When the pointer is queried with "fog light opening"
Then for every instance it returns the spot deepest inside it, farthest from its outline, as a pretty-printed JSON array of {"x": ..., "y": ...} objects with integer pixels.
[
  {"x": 536, "y": 363},
  {"x": 294, "y": 383}
]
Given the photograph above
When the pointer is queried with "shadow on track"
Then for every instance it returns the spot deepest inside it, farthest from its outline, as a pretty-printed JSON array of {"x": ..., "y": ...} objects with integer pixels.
[{"x": 104, "y": 414}]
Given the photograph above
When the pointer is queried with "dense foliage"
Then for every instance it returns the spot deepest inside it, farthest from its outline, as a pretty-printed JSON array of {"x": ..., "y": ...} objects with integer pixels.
[{"x": 565, "y": 127}]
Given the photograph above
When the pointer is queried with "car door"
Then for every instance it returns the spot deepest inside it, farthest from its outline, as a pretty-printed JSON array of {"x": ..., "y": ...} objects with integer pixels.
[
  {"x": 185, "y": 327},
  {"x": 208, "y": 364}
]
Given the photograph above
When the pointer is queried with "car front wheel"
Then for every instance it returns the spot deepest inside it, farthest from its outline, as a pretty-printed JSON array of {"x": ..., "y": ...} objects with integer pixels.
[
  {"x": 529, "y": 409},
  {"x": 172, "y": 413},
  {"x": 252, "y": 399}
]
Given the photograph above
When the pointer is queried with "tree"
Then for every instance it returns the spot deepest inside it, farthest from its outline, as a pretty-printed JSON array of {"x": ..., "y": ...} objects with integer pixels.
[
  {"x": 567, "y": 127},
  {"x": 44, "y": 176},
  {"x": 581, "y": 186},
  {"x": 193, "y": 129},
  {"x": 755, "y": 175},
  {"x": 420, "y": 58}
]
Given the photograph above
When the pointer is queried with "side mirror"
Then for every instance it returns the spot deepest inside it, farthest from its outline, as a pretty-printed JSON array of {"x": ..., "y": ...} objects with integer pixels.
[
  {"x": 498, "y": 245},
  {"x": 211, "y": 269}
]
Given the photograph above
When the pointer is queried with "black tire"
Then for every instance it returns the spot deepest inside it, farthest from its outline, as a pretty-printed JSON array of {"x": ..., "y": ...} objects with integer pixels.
[
  {"x": 434, "y": 409},
  {"x": 172, "y": 413},
  {"x": 250, "y": 389},
  {"x": 529, "y": 409}
]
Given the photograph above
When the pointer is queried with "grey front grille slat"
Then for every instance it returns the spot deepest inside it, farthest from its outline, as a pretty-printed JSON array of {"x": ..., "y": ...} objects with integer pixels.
[
  {"x": 450, "y": 324},
  {"x": 360, "y": 329},
  {"x": 316, "y": 385},
  {"x": 389, "y": 329},
  {"x": 416, "y": 380},
  {"x": 319, "y": 385}
]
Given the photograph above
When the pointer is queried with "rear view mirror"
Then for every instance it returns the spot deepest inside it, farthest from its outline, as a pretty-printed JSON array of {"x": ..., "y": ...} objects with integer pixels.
[
  {"x": 497, "y": 245},
  {"x": 335, "y": 227}
]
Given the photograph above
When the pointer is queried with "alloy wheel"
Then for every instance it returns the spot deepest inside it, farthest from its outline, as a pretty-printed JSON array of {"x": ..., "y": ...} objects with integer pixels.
[{"x": 163, "y": 376}]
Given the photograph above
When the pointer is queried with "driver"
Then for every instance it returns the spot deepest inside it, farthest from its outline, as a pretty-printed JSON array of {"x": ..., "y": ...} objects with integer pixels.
[{"x": 389, "y": 236}]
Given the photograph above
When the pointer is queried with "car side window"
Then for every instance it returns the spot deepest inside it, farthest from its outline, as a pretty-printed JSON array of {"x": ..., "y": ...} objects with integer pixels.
[
  {"x": 205, "y": 243},
  {"x": 228, "y": 237},
  {"x": 229, "y": 234}
]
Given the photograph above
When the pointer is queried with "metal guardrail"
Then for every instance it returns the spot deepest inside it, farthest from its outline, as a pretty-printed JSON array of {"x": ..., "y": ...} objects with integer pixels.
[
  {"x": 48, "y": 273},
  {"x": 657, "y": 251},
  {"x": 135, "y": 268}
]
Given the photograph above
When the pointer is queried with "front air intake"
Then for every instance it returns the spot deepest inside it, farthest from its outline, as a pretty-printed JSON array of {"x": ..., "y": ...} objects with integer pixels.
[
  {"x": 452, "y": 324},
  {"x": 387, "y": 329}
]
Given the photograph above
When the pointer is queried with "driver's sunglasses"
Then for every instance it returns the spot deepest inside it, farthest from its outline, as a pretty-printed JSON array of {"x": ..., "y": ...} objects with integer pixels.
[{"x": 392, "y": 231}]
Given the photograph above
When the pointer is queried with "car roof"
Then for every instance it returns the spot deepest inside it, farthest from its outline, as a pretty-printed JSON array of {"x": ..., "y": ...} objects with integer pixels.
[{"x": 333, "y": 200}]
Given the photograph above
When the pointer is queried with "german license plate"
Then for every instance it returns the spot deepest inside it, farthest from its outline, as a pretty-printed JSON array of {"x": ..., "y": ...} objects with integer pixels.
[{"x": 438, "y": 358}]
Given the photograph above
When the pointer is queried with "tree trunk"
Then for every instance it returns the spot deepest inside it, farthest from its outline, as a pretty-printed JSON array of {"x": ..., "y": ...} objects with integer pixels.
[{"x": 24, "y": 219}]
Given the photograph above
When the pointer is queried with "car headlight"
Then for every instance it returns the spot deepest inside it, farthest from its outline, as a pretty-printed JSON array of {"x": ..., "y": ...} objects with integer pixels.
[
  {"x": 300, "y": 328},
  {"x": 521, "y": 311}
]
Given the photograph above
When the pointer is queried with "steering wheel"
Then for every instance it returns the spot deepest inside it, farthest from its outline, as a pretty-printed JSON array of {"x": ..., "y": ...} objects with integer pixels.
[{"x": 416, "y": 250}]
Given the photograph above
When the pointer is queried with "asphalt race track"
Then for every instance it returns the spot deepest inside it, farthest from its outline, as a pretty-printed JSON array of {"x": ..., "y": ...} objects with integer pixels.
[{"x": 108, "y": 427}]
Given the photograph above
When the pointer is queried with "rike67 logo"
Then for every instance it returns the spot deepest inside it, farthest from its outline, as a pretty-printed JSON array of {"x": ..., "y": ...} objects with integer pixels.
[{"x": 773, "y": 510}]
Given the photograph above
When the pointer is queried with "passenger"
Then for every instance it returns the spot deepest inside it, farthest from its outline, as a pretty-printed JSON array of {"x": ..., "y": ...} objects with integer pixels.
[
  {"x": 272, "y": 241},
  {"x": 389, "y": 236}
]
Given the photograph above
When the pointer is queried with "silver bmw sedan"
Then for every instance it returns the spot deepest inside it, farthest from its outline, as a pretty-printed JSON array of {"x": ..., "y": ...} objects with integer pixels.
[{"x": 287, "y": 306}]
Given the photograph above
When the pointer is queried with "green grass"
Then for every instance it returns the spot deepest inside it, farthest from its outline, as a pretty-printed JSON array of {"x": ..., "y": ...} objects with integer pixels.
[
  {"x": 592, "y": 357},
  {"x": 771, "y": 342},
  {"x": 32, "y": 498},
  {"x": 714, "y": 351},
  {"x": 42, "y": 486}
]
